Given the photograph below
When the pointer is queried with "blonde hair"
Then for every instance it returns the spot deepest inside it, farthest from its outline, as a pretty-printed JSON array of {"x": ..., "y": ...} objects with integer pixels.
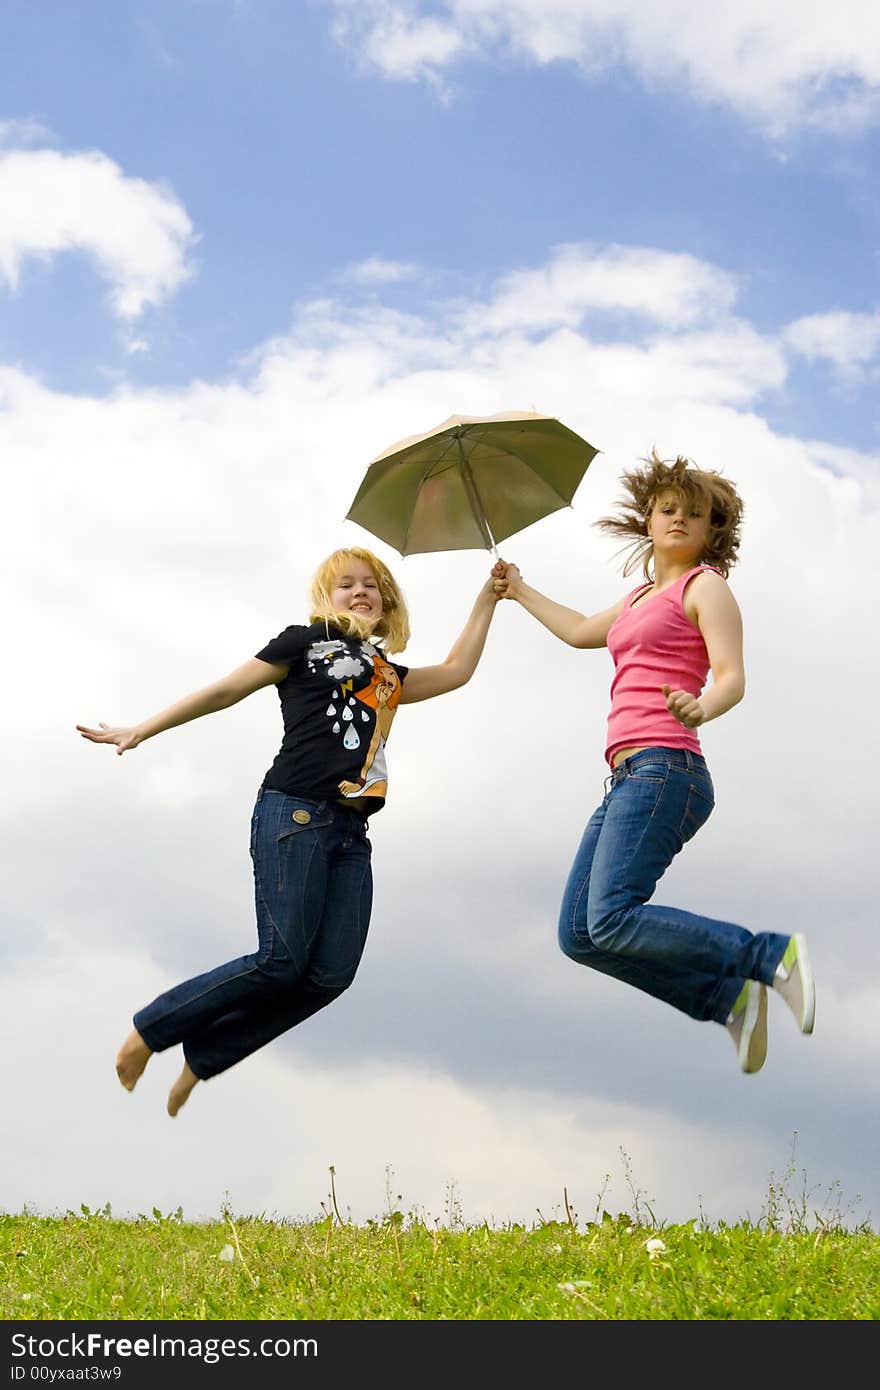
[
  {"x": 690, "y": 485},
  {"x": 392, "y": 627}
]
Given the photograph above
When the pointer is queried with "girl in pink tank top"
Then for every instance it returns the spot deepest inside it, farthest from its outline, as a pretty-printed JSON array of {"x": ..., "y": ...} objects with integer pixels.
[
  {"x": 665, "y": 637},
  {"x": 652, "y": 644}
]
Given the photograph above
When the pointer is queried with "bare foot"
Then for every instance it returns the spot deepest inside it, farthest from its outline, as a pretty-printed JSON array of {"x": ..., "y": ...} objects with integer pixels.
[
  {"x": 131, "y": 1059},
  {"x": 180, "y": 1091}
]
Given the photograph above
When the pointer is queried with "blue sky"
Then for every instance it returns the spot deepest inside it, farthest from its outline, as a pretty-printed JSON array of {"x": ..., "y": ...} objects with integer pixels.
[
  {"x": 243, "y": 248},
  {"x": 294, "y": 161}
]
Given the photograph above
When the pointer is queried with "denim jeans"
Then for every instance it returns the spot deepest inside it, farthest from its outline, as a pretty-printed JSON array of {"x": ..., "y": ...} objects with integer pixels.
[
  {"x": 656, "y": 801},
  {"x": 314, "y": 890}
]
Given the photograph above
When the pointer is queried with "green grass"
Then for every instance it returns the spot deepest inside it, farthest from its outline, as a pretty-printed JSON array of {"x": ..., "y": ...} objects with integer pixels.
[{"x": 791, "y": 1264}]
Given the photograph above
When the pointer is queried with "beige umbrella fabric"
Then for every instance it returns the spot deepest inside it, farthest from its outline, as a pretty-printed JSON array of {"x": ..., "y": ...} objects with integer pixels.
[{"x": 470, "y": 482}]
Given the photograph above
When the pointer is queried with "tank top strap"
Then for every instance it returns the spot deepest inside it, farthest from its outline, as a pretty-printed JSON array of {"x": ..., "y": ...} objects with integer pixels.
[
  {"x": 696, "y": 569},
  {"x": 678, "y": 586}
]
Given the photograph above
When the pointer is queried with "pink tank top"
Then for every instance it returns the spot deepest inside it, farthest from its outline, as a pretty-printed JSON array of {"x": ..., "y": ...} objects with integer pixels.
[{"x": 652, "y": 644}]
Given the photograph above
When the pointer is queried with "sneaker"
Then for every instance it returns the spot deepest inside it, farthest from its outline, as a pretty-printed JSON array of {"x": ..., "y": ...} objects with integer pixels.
[
  {"x": 747, "y": 1025},
  {"x": 794, "y": 981}
]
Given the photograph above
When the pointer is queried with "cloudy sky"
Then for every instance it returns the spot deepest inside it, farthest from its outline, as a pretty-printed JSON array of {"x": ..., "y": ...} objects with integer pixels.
[{"x": 244, "y": 247}]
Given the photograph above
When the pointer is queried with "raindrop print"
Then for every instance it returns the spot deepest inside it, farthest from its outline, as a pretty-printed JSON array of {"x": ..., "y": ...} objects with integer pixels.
[
  {"x": 336, "y": 727},
  {"x": 347, "y": 714},
  {"x": 364, "y": 716},
  {"x": 352, "y": 739},
  {"x": 331, "y": 709}
]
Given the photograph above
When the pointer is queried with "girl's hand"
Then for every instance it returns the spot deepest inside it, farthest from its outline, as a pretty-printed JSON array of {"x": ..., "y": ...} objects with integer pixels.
[
  {"x": 507, "y": 580},
  {"x": 123, "y": 738},
  {"x": 687, "y": 710},
  {"x": 488, "y": 590}
]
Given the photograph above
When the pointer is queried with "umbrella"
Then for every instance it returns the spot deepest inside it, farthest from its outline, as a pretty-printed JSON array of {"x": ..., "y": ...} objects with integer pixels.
[{"x": 470, "y": 482}]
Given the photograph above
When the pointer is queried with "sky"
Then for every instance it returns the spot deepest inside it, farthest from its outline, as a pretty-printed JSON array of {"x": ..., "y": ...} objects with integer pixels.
[{"x": 244, "y": 247}]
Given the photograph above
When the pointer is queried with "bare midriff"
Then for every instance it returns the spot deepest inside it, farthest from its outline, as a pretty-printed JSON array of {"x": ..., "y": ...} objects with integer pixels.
[{"x": 627, "y": 753}]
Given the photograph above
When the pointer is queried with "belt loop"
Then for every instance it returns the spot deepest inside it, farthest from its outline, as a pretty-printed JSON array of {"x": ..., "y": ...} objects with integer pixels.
[{"x": 689, "y": 760}]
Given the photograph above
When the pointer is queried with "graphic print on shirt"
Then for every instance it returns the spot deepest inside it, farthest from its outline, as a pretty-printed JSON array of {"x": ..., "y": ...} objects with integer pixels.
[{"x": 380, "y": 693}]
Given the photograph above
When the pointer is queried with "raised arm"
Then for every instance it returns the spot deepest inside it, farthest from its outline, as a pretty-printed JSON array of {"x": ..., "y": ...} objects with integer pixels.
[
  {"x": 424, "y": 682},
  {"x": 244, "y": 680},
  {"x": 566, "y": 623},
  {"x": 720, "y": 621}
]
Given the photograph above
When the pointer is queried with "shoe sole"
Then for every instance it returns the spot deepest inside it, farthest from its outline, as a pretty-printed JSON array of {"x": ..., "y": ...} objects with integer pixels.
[
  {"x": 753, "y": 1040},
  {"x": 808, "y": 1015}
]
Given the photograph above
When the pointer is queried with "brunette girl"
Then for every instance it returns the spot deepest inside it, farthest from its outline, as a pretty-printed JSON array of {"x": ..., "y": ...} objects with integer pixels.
[{"x": 664, "y": 637}]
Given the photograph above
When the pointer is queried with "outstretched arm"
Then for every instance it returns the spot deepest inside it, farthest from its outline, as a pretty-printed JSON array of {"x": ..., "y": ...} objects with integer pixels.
[
  {"x": 424, "y": 682},
  {"x": 566, "y": 623},
  {"x": 253, "y": 675}
]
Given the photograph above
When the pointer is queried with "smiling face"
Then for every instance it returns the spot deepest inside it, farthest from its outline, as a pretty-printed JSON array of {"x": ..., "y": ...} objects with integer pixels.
[
  {"x": 679, "y": 528},
  {"x": 356, "y": 590}
]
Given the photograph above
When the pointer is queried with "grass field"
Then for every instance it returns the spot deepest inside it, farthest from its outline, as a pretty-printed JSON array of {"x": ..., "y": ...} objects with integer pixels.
[{"x": 793, "y": 1263}]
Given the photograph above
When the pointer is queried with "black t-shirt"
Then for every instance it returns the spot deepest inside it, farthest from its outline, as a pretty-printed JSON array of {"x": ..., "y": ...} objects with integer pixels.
[{"x": 337, "y": 700}]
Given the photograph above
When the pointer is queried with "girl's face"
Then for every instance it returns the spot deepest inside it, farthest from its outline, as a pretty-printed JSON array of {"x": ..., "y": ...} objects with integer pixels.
[
  {"x": 356, "y": 590},
  {"x": 678, "y": 529}
]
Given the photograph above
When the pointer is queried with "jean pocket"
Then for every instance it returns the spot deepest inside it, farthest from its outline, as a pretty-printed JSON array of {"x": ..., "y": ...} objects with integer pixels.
[
  {"x": 697, "y": 811},
  {"x": 301, "y": 814},
  {"x": 649, "y": 772}
]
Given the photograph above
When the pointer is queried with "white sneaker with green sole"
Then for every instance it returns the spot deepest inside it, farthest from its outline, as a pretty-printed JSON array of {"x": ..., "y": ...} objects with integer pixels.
[
  {"x": 794, "y": 982},
  {"x": 747, "y": 1025}
]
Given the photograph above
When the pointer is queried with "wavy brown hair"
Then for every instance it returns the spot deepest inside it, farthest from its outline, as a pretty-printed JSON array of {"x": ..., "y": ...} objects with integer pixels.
[
  {"x": 690, "y": 485},
  {"x": 392, "y": 627}
]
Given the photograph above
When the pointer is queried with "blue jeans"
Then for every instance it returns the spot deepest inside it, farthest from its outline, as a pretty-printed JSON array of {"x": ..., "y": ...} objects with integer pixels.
[
  {"x": 657, "y": 800},
  {"x": 314, "y": 891}
]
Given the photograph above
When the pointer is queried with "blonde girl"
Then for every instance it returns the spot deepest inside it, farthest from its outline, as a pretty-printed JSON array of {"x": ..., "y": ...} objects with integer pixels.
[{"x": 338, "y": 691}]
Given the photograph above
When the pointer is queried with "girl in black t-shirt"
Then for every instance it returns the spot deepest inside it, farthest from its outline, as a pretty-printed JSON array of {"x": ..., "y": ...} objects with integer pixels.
[{"x": 311, "y": 856}]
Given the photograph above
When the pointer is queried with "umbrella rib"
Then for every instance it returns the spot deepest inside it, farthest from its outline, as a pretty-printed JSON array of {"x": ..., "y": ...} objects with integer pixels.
[
  {"x": 473, "y": 495},
  {"x": 453, "y": 440}
]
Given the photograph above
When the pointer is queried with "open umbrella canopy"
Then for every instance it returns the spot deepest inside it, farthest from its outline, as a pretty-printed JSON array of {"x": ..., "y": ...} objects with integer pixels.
[{"x": 470, "y": 482}]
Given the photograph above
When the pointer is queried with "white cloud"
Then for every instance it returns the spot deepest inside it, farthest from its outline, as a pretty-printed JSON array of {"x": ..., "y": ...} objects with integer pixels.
[
  {"x": 376, "y": 270},
  {"x": 137, "y": 234},
  {"x": 847, "y": 340},
  {"x": 160, "y": 537},
  {"x": 673, "y": 289},
  {"x": 397, "y": 40},
  {"x": 782, "y": 64},
  {"x": 24, "y": 131}
]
